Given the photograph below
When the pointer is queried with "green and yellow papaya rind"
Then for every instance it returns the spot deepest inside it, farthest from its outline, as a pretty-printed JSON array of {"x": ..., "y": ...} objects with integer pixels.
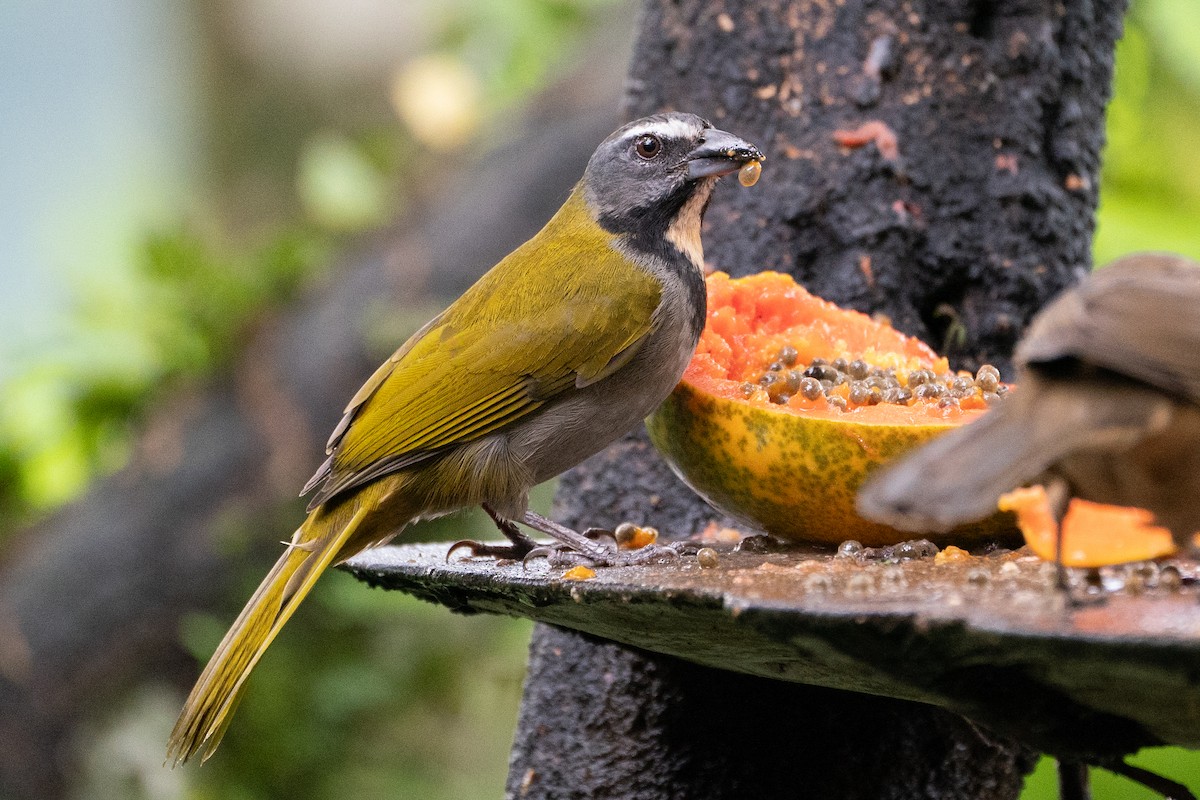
[{"x": 791, "y": 475}]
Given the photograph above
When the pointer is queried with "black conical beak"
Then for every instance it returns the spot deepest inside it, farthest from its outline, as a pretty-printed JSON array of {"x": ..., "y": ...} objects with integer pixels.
[{"x": 720, "y": 154}]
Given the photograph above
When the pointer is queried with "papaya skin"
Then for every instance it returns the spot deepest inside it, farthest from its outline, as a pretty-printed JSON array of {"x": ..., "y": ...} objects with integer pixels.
[
  {"x": 792, "y": 475},
  {"x": 787, "y": 469}
]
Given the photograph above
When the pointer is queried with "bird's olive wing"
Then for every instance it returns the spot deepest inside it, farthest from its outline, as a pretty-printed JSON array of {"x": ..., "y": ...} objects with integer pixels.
[{"x": 529, "y": 331}]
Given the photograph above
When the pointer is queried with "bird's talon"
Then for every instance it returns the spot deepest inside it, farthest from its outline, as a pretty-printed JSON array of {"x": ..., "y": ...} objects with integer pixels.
[
  {"x": 685, "y": 548},
  {"x": 467, "y": 543},
  {"x": 537, "y": 552},
  {"x": 670, "y": 553},
  {"x": 484, "y": 549}
]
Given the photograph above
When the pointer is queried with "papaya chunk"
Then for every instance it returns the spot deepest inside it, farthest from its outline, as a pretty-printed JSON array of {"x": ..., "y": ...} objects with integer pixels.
[{"x": 1094, "y": 534}]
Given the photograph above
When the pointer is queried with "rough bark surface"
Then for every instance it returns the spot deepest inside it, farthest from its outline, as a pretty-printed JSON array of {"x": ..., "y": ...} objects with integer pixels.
[
  {"x": 985, "y": 208},
  {"x": 965, "y": 203},
  {"x": 688, "y": 731}
]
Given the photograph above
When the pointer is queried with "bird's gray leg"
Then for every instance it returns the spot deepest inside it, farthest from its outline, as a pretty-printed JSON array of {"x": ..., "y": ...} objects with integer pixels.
[
  {"x": 1059, "y": 496},
  {"x": 584, "y": 544},
  {"x": 570, "y": 548},
  {"x": 1058, "y": 493},
  {"x": 1074, "y": 783}
]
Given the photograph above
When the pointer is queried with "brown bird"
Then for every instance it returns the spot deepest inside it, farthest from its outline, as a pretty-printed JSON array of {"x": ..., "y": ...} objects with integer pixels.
[{"x": 1106, "y": 408}]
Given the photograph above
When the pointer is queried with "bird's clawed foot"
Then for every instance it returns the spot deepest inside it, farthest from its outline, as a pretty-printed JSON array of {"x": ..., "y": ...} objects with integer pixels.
[
  {"x": 607, "y": 554},
  {"x": 519, "y": 548},
  {"x": 558, "y": 554},
  {"x": 597, "y": 547},
  {"x": 594, "y": 547},
  {"x": 1089, "y": 595},
  {"x": 514, "y": 552}
]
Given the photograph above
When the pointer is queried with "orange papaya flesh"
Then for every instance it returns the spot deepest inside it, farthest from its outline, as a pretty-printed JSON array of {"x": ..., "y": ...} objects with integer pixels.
[
  {"x": 793, "y": 468},
  {"x": 1094, "y": 534}
]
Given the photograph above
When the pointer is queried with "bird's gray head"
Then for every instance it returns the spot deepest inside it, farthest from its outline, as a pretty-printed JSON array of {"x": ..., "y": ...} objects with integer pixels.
[{"x": 641, "y": 178}]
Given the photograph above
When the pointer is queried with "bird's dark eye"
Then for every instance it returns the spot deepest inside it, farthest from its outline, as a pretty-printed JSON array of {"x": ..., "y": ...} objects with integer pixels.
[{"x": 648, "y": 146}]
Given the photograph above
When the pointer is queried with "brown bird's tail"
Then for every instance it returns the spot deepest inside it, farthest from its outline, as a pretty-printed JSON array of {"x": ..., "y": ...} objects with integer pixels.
[{"x": 206, "y": 714}]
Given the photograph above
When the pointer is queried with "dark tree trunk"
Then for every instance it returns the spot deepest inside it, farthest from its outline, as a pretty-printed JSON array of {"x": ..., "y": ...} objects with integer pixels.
[
  {"x": 933, "y": 162},
  {"x": 638, "y": 726},
  {"x": 986, "y": 207}
]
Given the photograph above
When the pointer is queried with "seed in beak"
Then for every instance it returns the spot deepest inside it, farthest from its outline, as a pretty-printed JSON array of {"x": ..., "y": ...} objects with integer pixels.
[{"x": 748, "y": 174}]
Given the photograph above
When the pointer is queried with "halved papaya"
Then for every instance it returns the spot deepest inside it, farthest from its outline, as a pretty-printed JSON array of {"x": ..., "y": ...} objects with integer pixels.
[{"x": 785, "y": 456}]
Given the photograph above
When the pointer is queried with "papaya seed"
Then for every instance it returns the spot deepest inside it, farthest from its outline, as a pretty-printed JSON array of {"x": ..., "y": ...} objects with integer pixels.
[
  {"x": 962, "y": 386},
  {"x": 748, "y": 174}
]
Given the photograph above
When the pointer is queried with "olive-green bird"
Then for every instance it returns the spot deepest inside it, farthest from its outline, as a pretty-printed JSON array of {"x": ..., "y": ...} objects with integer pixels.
[{"x": 561, "y": 348}]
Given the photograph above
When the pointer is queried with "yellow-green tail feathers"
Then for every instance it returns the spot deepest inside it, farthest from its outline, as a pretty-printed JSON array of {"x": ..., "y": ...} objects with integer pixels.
[{"x": 210, "y": 706}]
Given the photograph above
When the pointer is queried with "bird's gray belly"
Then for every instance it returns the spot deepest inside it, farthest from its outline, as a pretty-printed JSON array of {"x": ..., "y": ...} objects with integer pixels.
[{"x": 585, "y": 421}]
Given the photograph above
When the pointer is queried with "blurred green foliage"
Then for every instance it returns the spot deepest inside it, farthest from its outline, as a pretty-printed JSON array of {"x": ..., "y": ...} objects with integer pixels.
[
  {"x": 1181, "y": 766},
  {"x": 1150, "y": 182},
  {"x": 73, "y": 412},
  {"x": 373, "y": 694},
  {"x": 515, "y": 45},
  {"x": 369, "y": 694},
  {"x": 69, "y": 413}
]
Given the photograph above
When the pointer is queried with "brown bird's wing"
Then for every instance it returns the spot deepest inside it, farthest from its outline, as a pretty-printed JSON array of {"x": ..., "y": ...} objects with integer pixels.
[
  {"x": 564, "y": 310},
  {"x": 1139, "y": 317},
  {"x": 959, "y": 476}
]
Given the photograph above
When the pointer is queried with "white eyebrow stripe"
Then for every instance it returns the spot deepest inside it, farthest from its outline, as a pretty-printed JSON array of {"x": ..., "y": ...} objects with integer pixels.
[{"x": 665, "y": 129}]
